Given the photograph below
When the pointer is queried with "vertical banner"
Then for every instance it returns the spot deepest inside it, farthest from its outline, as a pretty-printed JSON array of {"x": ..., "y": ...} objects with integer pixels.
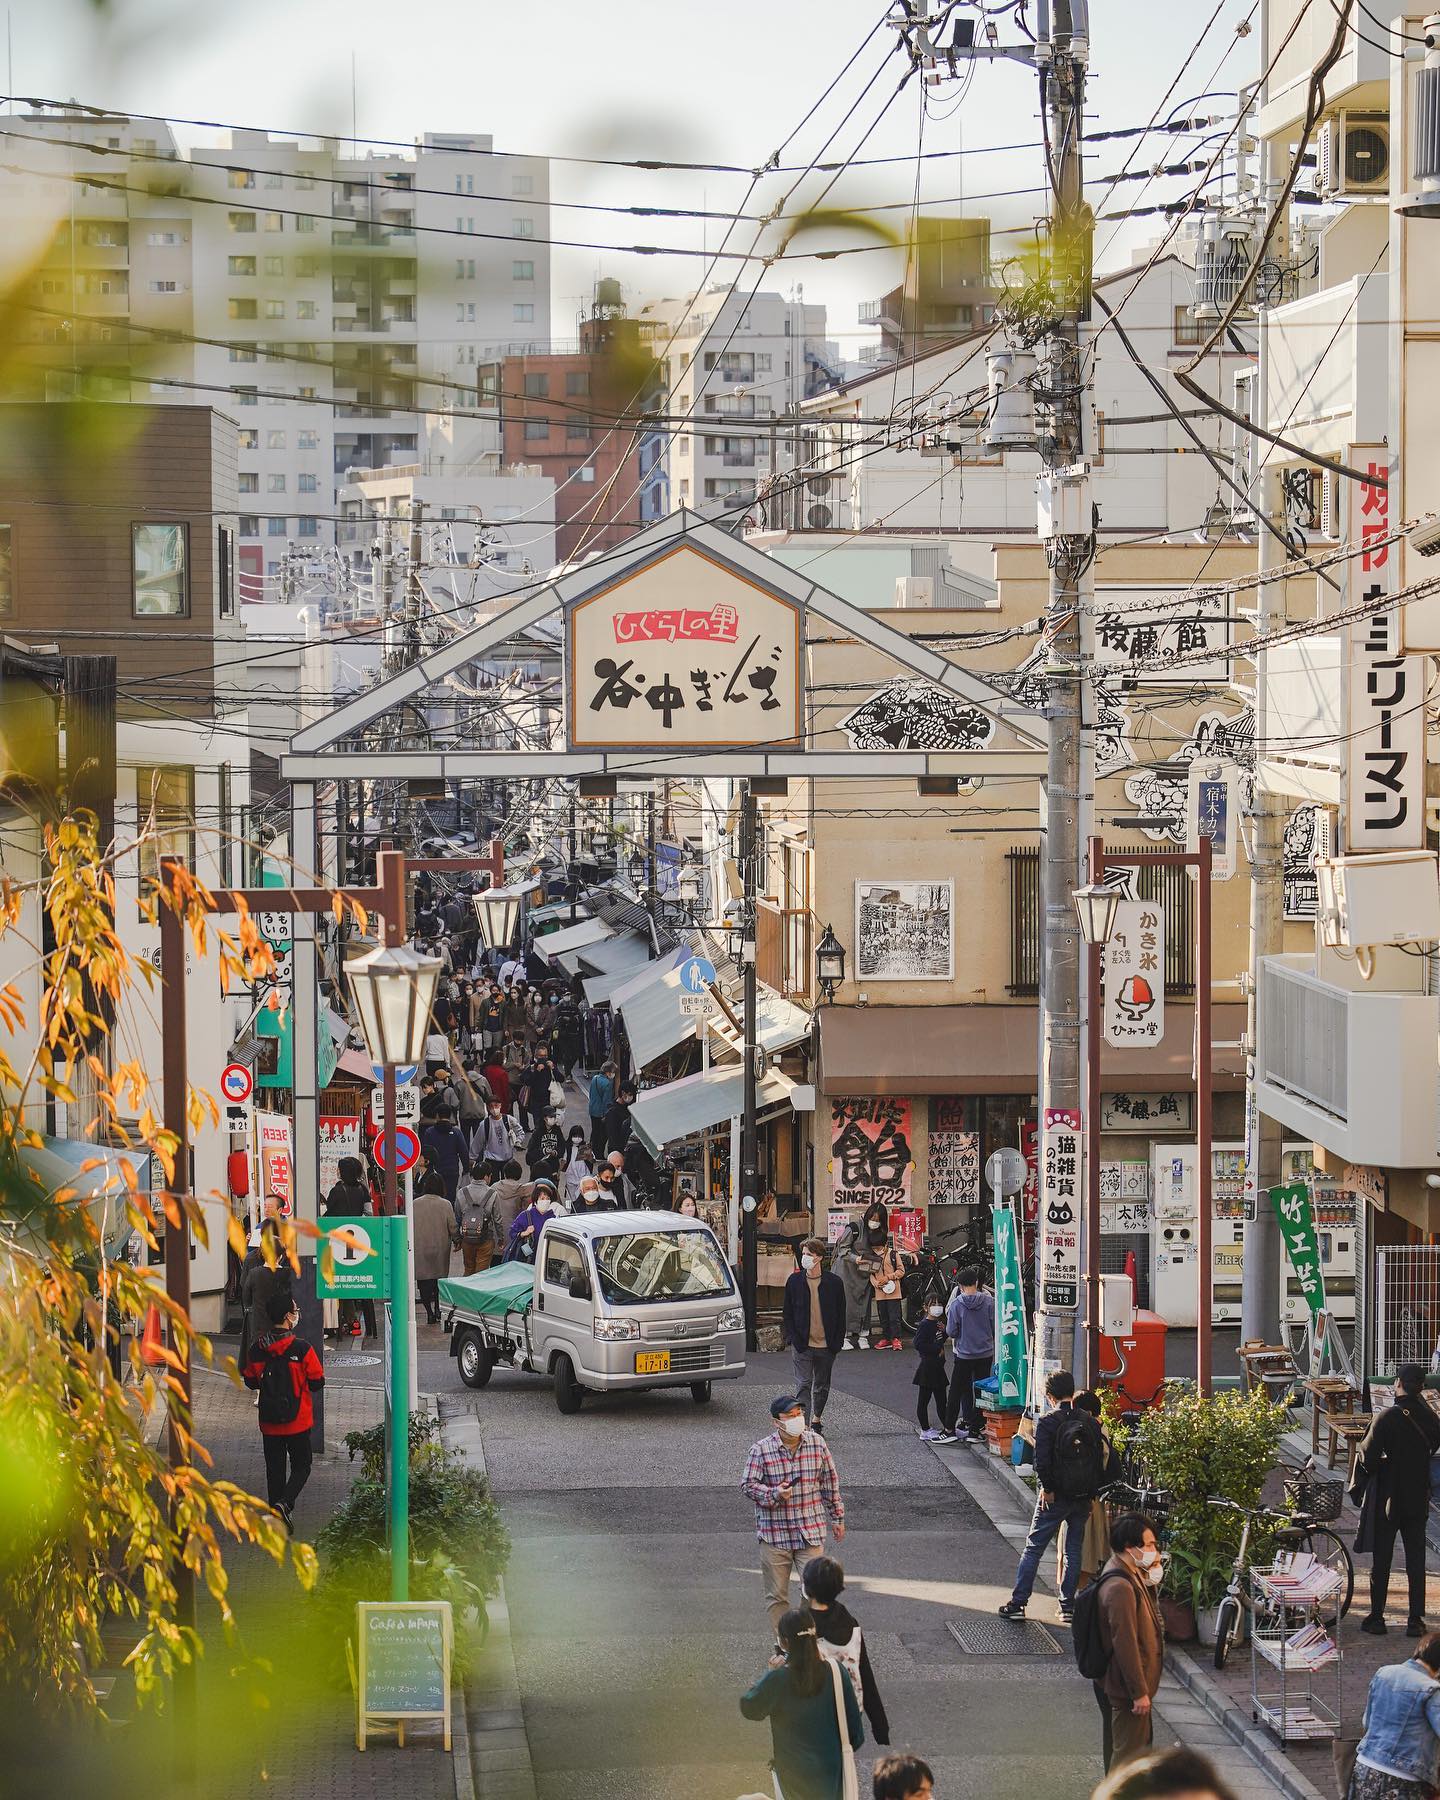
[
  {"x": 276, "y": 1162},
  {"x": 1011, "y": 1360},
  {"x": 1385, "y": 735},
  {"x": 954, "y": 1156},
  {"x": 1296, "y": 1214},
  {"x": 1061, "y": 1161},
  {"x": 1212, "y": 805},
  {"x": 1132, "y": 973}
]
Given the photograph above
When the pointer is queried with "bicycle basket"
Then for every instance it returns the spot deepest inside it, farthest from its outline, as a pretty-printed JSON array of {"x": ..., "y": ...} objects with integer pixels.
[{"x": 1320, "y": 1496}]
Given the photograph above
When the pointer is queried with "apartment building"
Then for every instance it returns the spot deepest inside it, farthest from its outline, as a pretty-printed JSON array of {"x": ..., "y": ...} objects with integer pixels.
[
  {"x": 741, "y": 369},
  {"x": 944, "y": 292},
  {"x": 334, "y": 299}
]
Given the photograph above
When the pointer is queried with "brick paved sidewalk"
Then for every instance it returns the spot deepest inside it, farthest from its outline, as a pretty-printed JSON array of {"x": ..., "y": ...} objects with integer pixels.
[{"x": 289, "y": 1730}]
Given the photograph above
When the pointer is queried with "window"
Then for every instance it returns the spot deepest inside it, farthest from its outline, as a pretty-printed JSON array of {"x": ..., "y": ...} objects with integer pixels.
[
  {"x": 642, "y": 1266},
  {"x": 464, "y": 268},
  {"x": 274, "y": 265},
  {"x": 564, "y": 1261},
  {"x": 577, "y": 382},
  {"x": 306, "y": 267},
  {"x": 249, "y": 439},
  {"x": 522, "y": 228},
  {"x": 240, "y": 178},
  {"x": 160, "y": 571},
  {"x": 309, "y": 484},
  {"x": 523, "y": 184},
  {"x": 241, "y": 221},
  {"x": 242, "y": 265},
  {"x": 308, "y": 527},
  {"x": 537, "y": 387},
  {"x": 274, "y": 309},
  {"x": 523, "y": 312},
  {"x": 274, "y": 528},
  {"x": 577, "y": 428},
  {"x": 307, "y": 440},
  {"x": 1187, "y": 330},
  {"x": 165, "y": 808},
  {"x": 762, "y": 362},
  {"x": 274, "y": 440},
  {"x": 249, "y": 525},
  {"x": 585, "y": 474},
  {"x": 242, "y": 353},
  {"x": 275, "y": 484},
  {"x": 304, "y": 183},
  {"x": 163, "y": 240},
  {"x": 246, "y": 396},
  {"x": 249, "y": 482},
  {"x": 225, "y": 568},
  {"x": 305, "y": 309},
  {"x": 241, "y": 309},
  {"x": 274, "y": 221},
  {"x": 273, "y": 180},
  {"x": 306, "y": 393},
  {"x": 522, "y": 271},
  {"x": 305, "y": 221},
  {"x": 536, "y": 429},
  {"x": 684, "y": 446},
  {"x": 7, "y": 572}
]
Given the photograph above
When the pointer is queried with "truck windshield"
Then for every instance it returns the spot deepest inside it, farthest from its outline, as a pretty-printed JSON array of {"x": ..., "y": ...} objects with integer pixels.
[{"x": 645, "y": 1266}]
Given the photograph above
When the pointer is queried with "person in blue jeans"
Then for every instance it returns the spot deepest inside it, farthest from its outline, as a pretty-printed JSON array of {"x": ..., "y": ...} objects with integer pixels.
[{"x": 1069, "y": 1467}]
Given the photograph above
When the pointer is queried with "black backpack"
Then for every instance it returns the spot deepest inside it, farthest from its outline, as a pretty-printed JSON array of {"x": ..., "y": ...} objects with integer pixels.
[
  {"x": 1092, "y": 1659},
  {"x": 1079, "y": 1456},
  {"x": 279, "y": 1396}
]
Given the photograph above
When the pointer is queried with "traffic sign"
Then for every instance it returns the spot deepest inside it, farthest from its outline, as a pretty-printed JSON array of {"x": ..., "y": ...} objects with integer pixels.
[
  {"x": 1005, "y": 1170},
  {"x": 697, "y": 975},
  {"x": 407, "y": 1149},
  {"x": 237, "y": 1084},
  {"x": 404, "y": 1073},
  {"x": 359, "y": 1259},
  {"x": 407, "y": 1105}
]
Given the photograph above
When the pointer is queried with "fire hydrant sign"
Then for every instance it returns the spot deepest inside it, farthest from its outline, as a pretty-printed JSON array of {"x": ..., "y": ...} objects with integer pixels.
[
  {"x": 1296, "y": 1213},
  {"x": 1133, "y": 975},
  {"x": 1061, "y": 1172}
]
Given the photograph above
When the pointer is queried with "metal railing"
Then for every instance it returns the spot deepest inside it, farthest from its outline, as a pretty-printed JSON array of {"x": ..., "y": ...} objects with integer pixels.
[
  {"x": 1407, "y": 1305},
  {"x": 1171, "y": 887},
  {"x": 1304, "y": 1046}
]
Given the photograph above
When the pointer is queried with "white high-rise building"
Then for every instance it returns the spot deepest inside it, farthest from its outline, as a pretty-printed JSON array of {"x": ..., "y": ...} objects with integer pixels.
[
  {"x": 330, "y": 300},
  {"x": 744, "y": 368}
]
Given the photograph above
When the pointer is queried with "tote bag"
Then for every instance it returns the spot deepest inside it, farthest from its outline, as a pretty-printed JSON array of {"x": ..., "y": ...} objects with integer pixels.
[{"x": 849, "y": 1778}]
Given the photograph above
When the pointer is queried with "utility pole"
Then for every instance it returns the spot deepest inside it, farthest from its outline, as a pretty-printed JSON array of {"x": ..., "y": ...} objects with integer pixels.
[
  {"x": 1067, "y": 527},
  {"x": 1260, "y": 1276},
  {"x": 749, "y": 1145}
]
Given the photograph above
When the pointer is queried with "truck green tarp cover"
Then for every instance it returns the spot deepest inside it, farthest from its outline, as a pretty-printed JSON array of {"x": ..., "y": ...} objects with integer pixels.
[{"x": 506, "y": 1288}]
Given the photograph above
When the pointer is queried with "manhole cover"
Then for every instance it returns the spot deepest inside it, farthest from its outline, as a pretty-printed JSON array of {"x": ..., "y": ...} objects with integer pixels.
[
  {"x": 352, "y": 1362},
  {"x": 978, "y": 1636}
]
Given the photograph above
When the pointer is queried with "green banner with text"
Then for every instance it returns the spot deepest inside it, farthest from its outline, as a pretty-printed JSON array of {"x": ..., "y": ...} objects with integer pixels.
[
  {"x": 1011, "y": 1363},
  {"x": 1296, "y": 1213}
]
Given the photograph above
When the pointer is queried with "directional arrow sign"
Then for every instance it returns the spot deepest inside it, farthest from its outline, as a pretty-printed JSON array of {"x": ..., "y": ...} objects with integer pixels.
[{"x": 404, "y": 1073}]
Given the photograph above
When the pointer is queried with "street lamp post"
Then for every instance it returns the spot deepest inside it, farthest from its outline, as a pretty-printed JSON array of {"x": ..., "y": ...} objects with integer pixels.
[
  {"x": 497, "y": 913},
  {"x": 749, "y": 1137},
  {"x": 393, "y": 990},
  {"x": 1096, "y": 906},
  {"x": 829, "y": 964}
]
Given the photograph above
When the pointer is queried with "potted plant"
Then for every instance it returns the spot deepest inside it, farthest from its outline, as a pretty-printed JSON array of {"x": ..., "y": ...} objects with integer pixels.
[{"x": 1197, "y": 1448}]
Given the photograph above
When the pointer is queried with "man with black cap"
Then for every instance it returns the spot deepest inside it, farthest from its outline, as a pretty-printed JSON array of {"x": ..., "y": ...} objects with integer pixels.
[
  {"x": 791, "y": 1477},
  {"x": 284, "y": 1371},
  {"x": 1396, "y": 1456}
]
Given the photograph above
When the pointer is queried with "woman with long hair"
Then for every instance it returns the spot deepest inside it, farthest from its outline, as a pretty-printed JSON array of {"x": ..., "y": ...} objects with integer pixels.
[{"x": 815, "y": 1723}]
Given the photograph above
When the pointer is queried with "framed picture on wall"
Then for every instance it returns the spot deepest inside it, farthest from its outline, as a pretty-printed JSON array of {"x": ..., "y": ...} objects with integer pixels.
[{"x": 905, "y": 930}]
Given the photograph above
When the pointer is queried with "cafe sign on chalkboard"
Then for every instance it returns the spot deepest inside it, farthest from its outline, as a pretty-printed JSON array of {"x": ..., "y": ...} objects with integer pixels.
[{"x": 404, "y": 1669}]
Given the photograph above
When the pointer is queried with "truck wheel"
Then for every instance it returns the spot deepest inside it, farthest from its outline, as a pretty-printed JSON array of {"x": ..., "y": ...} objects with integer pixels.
[
  {"x": 568, "y": 1391},
  {"x": 476, "y": 1359},
  {"x": 700, "y": 1392}
]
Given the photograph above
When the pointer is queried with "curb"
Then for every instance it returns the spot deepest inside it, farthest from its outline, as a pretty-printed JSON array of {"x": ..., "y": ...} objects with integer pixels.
[
  {"x": 1257, "y": 1744},
  {"x": 491, "y": 1739}
]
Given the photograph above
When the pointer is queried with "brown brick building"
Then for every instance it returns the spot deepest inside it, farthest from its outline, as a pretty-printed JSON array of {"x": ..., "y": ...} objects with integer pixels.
[{"x": 117, "y": 536}]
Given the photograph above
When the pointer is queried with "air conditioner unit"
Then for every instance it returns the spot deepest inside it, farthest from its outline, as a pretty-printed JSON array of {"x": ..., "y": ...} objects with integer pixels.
[
  {"x": 1353, "y": 156},
  {"x": 1387, "y": 897},
  {"x": 819, "y": 517},
  {"x": 914, "y": 590}
]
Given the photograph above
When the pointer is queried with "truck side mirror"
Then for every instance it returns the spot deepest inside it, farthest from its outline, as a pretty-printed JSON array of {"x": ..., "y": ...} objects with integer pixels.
[{"x": 579, "y": 1287}]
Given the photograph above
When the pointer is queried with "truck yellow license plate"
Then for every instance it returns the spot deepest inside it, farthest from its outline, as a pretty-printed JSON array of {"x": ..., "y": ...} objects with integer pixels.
[{"x": 652, "y": 1362}]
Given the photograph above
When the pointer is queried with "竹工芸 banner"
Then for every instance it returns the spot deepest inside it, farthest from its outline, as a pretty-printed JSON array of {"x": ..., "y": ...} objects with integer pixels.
[
  {"x": 1011, "y": 1361},
  {"x": 1296, "y": 1214}
]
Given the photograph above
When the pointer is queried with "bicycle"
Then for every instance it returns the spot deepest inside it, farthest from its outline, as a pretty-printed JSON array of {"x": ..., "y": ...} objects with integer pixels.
[{"x": 1314, "y": 1503}]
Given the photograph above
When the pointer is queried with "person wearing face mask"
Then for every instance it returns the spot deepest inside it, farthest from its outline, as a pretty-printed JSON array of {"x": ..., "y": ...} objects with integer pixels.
[
  {"x": 525, "y": 1232},
  {"x": 493, "y": 1140},
  {"x": 790, "y": 1476},
  {"x": 590, "y": 1199},
  {"x": 812, "y": 1323},
  {"x": 929, "y": 1375},
  {"x": 1133, "y": 1637}
]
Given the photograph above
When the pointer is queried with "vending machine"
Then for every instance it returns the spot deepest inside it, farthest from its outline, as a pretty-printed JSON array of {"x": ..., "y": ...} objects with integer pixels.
[{"x": 1175, "y": 1285}]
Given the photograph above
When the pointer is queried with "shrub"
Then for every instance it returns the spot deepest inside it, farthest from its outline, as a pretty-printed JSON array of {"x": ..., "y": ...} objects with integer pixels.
[
  {"x": 458, "y": 1546},
  {"x": 1196, "y": 1447}
]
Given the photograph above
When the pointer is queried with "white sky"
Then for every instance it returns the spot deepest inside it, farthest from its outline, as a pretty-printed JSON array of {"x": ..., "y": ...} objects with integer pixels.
[{"x": 654, "y": 78}]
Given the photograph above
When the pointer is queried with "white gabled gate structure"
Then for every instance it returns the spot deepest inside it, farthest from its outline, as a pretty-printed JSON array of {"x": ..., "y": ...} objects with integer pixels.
[{"x": 672, "y": 550}]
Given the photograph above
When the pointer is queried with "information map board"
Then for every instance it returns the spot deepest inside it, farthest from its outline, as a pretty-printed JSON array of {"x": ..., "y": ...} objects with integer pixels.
[{"x": 404, "y": 1668}]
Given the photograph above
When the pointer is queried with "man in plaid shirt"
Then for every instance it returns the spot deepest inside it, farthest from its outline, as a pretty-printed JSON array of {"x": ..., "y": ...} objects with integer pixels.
[{"x": 791, "y": 1477}]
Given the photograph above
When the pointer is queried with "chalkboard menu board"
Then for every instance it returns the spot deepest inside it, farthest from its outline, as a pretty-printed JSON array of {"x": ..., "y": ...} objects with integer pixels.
[{"x": 404, "y": 1664}]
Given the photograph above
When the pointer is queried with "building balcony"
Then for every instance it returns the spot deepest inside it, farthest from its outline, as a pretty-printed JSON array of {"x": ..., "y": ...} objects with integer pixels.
[
  {"x": 1354, "y": 1071},
  {"x": 1328, "y": 381}
]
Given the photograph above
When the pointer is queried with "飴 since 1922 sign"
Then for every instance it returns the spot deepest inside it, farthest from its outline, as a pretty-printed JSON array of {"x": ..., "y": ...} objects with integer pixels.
[{"x": 684, "y": 652}]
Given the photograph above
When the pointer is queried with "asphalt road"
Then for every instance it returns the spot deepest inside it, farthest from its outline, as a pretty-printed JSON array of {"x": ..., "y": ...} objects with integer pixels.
[{"x": 635, "y": 1600}]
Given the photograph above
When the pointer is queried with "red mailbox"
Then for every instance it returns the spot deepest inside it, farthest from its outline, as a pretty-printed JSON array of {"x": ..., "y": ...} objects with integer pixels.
[{"x": 1133, "y": 1367}]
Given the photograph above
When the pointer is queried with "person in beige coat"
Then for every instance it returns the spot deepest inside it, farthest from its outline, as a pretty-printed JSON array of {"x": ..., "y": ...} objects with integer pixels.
[
  {"x": 1131, "y": 1630},
  {"x": 436, "y": 1234}
]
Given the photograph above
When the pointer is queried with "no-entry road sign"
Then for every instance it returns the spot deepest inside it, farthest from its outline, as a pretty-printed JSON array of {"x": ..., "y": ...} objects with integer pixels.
[
  {"x": 407, "y": 1149},
  {"x": 236, "y": 1083}
]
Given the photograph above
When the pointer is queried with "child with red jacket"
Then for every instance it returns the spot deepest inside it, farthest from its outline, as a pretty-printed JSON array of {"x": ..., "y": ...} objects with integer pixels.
[{"x": 284, "y": 1370}]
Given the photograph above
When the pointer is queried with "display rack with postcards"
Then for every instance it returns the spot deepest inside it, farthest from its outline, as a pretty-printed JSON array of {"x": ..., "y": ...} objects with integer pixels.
[{"x": 1295, "y": 1656}]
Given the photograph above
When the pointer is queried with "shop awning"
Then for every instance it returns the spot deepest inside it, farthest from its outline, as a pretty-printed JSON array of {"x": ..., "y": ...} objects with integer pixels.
[
  {"x": 779, "y": 1025},
  {"x": 654, "y": 1022},
  {"x": 601, "y": 990},
  {"x": 995, "y": 1050},
  {"x": 619, "y": 955},
  {"x": 557, "y": 909},
  {"x": 664, "y": 1115},
  {"x": 572, "y": 937},
  {"x": 358, "y": 1064}
]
